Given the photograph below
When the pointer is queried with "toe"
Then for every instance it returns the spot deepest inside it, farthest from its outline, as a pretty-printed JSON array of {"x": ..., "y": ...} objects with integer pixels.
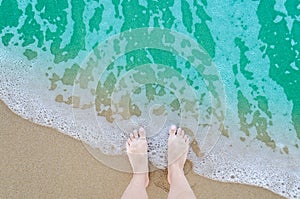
[
  {"x": 186, "y": 138},
  {"x": 135, "y": 134},
  {"x": 128, "y": 142},
  {"x": 131, "y": 136},
  {"x": 180, "y": 132},
  {"x": 142, "y": 132},
  {"x": 172, "y": 130}
]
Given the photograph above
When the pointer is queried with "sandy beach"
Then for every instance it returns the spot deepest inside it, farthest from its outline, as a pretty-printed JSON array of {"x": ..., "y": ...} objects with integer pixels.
[{"x": 39, "y": 162}]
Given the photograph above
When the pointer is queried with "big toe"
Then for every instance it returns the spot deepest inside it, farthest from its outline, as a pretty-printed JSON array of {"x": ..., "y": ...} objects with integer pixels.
[
  {"x": 172, "y": 130},
  {"x": 135, "y": 134},
  {"x": 142, "y": 133},
  {"x": 180, "y": 132}
]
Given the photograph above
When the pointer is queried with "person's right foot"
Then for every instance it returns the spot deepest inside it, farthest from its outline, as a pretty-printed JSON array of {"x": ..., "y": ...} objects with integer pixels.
[
  {"x": 136, "y": 147},
  {"x": 178, "y": 145}
]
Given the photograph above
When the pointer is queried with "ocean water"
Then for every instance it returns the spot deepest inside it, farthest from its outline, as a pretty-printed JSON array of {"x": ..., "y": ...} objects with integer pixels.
[{"x": 225, "y": 71}]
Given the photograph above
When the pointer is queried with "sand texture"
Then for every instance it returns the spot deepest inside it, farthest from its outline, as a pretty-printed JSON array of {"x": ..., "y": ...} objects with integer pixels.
[{"x": 39, "y": 162}]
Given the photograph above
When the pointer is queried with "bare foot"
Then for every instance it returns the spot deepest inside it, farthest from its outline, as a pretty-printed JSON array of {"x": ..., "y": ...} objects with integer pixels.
[
  {"x": 178, "y": 146},
  {"x": 136, "y": 147}
]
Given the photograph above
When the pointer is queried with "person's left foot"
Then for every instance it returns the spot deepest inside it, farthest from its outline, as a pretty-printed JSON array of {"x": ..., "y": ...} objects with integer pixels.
[
  {"x": 136, "y": 147},
  {"x": 178, "y": 146}
]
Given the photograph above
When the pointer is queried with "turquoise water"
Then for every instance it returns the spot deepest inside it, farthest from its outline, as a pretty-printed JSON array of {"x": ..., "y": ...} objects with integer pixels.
[{"x": 228, "y": 72}]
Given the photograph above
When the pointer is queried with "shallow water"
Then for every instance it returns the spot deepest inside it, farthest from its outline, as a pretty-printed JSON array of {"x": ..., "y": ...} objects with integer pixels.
[{"x": 226, "y": 71}]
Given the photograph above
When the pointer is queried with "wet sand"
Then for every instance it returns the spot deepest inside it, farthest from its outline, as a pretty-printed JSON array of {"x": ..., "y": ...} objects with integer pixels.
[{"x": 39, "y": 162}]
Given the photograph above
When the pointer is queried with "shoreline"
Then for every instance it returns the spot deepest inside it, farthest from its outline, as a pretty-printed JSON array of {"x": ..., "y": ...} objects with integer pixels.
[{"x": 40, "y": 162}]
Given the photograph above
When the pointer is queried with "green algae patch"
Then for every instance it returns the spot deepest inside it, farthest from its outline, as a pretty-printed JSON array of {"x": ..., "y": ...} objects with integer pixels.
[
  {"x": 260, "y": 124},
  {"x": 285, "y": 149},
  {"x": 54, "y": 12},
  {"x": 156, "y": 7},
  {"x": 103, "y": 94},
  {"x": 134, "y": 110},
  {"x": 117, "y": 46},
  {"x": 135, "y": 15},
  {"x": 235, "y": 72},
  {"x": 150, "y": 92},
  {"x": 175, "y": 105},
  {"x": 224, "y": 131},
  {"x": 244, "y": 108},
  {"x": 109, "y": 83},
  {"x": 31, "y": 30},
  {"x": 167, "y": 59},
  {"x": 201, "y": 56},
  {"x": 135, "y": 58},
  {"x": 263, "y": 105},
  {"x": 6, "y": 38},
  {"x": 148, "y": 73},
  {"x": 9, "y": 14},
  {"x": 249, "y": 114},
  {"x": 187, "y": 17},
  {"x": 161, "y": 110},
  {"x": 103, "y": 100},
  {"x": 96, "y": 19},
  {"x": 59, "y": 98},
  {"x": 137, "y": 91},
  {"x": 254, "y": 88},
  {"x": 86, "y": 75},
  {"x": 202, "y": 33},
  {"x": 30, "y": 54},
  {"x": 296, "y": 117},
  {"x": 77, "y": 40},
  {"x": 109, "y": 30},
  {"x": 116, "y": 6},
  {"x": 54, "y": 79},
  {"x": 70, "y": 74},
  {"x": 168, "y": 18},
  {"x": 243, "y": 58},
  {"x": 71, "y": 100},
  {"x": 185, "y": 43},
  {"x": 257, "y": 121},
  {"x": 292, "y": 6}
]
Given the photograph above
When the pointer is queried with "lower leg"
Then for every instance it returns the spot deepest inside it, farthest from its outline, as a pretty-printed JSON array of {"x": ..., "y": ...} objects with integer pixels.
[
  {"x": 136, "y": 187},
  {"x": 179, "y": 186},
  {"x": 177, "y": 154},
  {"x": 137, "y": 153}
]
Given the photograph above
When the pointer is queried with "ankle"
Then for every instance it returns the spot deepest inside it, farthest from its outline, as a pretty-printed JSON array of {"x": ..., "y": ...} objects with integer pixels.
[
  {"x": 175, "y": 167},
  {"x": 140, "y": 175},
  {"x": 174, "y": 173},
  {"x": 140, "y": 178}
]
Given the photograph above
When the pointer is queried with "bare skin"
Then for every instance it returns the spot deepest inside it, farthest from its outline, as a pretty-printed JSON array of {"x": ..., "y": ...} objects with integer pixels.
[
  {"x": 136, "y": 147},
  {"x": 178, "y": 145}
]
